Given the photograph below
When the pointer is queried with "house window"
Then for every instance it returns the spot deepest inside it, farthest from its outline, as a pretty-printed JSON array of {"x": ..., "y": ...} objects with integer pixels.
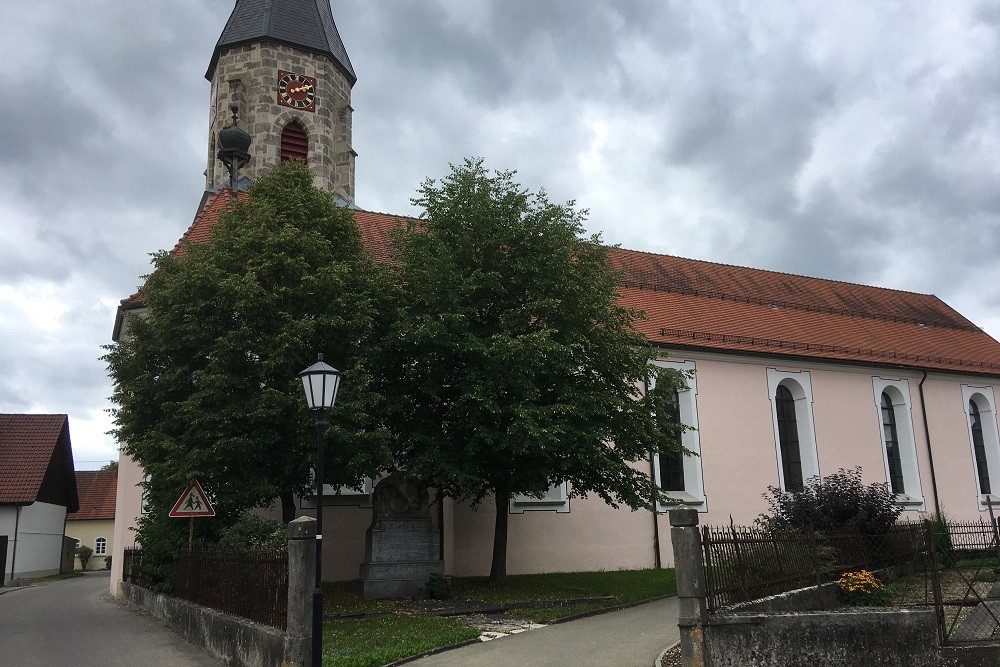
[
  {"x": 980, "y": 408},
  {"x": 794, "y": 434},
  {"x": 100, "y": 546},
  {"x": 553, "y": 498},
  {"x": 294, "y": 143},
  {"x": 680, "y": 475},
  {"x": 899, "y": 450}
]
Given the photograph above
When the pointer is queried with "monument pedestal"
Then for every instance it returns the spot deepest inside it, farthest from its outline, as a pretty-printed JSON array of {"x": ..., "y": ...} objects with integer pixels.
[{"x": 402, "y": 546}]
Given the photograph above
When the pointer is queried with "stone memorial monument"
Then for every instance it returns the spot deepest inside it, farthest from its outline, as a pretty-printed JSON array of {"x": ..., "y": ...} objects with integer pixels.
[{"x": 401, "y": 545}]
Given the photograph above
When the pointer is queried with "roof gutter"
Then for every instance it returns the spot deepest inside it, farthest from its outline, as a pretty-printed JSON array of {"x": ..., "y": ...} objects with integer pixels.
[{"x": 930, "y": 452}]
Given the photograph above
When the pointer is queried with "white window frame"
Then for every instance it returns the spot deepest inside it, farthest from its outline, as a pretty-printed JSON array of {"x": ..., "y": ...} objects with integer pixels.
[
  {"x": 333, "y": 494},
  {"x": 693, "y": 494},
  {"x": 899, "y": 393},
  {"x": 799, "y": 383},
  {"x": 555, "y": 498},
  {"x": 986, "y": 402},
  {"x": 98, "y": 550}
]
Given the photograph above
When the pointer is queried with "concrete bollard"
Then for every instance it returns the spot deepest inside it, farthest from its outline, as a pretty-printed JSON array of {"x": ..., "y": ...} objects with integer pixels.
[
  {"x": 689, "y": 562},
  {"x": 301, "y": 576}
]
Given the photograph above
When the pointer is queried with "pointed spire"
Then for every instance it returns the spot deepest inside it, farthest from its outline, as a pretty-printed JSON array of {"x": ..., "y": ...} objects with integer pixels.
[{"x": 303, "y": 24}]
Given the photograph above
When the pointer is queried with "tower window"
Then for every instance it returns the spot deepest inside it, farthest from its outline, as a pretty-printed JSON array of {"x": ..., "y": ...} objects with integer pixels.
[{"x": 294, "y": 143}]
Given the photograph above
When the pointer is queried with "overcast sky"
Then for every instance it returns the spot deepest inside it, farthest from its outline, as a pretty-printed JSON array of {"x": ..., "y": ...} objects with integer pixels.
[{"x": 855, "y": 140}]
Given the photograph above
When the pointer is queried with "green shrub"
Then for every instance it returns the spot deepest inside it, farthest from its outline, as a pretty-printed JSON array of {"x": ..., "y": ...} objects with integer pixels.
[
  {"x": 254, "y": 532},
  {"x": 437, "y": 587},
  {"x": 839, "y": 500},
  {"x": 107, "y": 562},
  {"x": 84, "y": 553}
]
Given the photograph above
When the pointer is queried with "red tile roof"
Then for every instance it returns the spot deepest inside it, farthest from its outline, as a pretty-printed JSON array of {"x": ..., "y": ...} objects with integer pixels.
[
  {"x": 694, "y": 304},
  {"x": 97, "y": 489},
  {"x": 28, "y": 445}
]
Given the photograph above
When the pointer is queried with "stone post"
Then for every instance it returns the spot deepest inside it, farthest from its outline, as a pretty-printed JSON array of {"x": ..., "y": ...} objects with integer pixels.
[
  {"x": 689, "y": 562},
  {"x": 301, "y": 581}
]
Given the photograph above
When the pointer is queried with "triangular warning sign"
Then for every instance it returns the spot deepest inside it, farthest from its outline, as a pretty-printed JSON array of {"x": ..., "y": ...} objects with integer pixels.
[{"x": 193, "y": 502}]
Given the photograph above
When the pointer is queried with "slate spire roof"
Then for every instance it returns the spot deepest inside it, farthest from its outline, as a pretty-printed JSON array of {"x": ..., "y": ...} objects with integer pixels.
[{"x": 304, "y": 24}]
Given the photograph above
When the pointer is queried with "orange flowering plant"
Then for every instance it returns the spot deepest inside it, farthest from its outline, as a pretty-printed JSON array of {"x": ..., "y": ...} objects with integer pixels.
[{"x": 863, "y": 589}]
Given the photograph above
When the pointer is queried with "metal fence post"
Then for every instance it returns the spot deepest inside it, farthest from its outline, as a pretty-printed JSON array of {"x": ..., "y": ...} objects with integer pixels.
[
  {"x": 301, "y": 566},
  {"x": 689, "y": 562}
]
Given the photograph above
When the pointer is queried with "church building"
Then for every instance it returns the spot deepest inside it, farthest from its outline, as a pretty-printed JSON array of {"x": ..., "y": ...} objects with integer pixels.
[{"x": 792, "y": 376}]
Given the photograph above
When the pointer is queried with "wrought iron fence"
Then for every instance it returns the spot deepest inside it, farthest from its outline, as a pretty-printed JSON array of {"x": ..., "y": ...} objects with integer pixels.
[
  {"x": 952, "y": 567},
  {"x": 251, "y": 584},
  {"x": 749, "y": 563},
  {"x": 132, "y": 570}
]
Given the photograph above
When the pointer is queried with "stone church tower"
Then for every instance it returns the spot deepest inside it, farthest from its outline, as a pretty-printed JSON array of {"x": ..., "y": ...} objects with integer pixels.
[{"x": 283, "y": 63}]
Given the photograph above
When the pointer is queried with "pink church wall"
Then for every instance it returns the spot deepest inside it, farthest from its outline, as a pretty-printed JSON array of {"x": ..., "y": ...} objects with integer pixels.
[
  {"x": 128, "y": 505},
  {"x": 738, "y": 461}
]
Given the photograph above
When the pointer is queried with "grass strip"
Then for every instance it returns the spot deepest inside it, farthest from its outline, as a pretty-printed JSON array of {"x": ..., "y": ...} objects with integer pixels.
[{"x": 371, "y": 642}]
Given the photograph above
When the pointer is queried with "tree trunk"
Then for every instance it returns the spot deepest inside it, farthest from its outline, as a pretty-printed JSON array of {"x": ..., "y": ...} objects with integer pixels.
[
  {"x": 287, "y": 506},
  {"x": 498, "y": 571}
]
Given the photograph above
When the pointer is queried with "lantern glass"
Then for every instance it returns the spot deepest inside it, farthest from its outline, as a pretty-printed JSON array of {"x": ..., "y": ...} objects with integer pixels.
[{"x": 320, "y": 383}]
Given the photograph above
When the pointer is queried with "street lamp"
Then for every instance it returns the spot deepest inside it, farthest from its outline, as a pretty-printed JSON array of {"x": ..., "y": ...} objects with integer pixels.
[
  {"x": 320, "y": 382},
  {"x": 232, "y": 150}
]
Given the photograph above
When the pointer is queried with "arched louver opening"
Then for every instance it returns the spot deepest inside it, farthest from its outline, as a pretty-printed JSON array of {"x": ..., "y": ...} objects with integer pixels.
[{"x": 294, "y": 143}]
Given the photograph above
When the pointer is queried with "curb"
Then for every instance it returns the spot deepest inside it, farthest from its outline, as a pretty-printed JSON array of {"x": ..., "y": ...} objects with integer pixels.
[
  {"x": 433, "y": 651},
  {"x": 659, "y": 659},
  {"x": 606, "y": 610}
]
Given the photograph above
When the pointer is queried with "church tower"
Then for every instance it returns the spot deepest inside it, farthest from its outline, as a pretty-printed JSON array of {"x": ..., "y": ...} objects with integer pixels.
[{"x": 283, "y": 63}]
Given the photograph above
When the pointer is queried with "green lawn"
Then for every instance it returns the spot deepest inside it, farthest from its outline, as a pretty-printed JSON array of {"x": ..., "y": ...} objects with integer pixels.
[{"x": 368, "y": 633}]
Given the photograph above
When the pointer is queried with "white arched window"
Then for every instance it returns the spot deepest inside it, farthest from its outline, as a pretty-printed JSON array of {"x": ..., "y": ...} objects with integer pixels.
[
  {"x": 899, "y": 450},
  {"x": 981, "y": 419},
  {"x": 794, "y": 434},
  {"x": 101, "y": 546},
  {"x": 680, "y": 476}
]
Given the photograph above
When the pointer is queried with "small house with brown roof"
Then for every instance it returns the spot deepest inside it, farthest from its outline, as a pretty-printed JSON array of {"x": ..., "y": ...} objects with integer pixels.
[
  {"x": 93, "y": 525},
  {"x": 789, "y": 376},
  {"x": 37, "y": 490}
]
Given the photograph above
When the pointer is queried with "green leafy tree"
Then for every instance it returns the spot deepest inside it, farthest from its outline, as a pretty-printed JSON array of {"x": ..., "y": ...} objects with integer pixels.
[
  {"x": 206, "y": 385},
  {"x": 512, "y": 367}
]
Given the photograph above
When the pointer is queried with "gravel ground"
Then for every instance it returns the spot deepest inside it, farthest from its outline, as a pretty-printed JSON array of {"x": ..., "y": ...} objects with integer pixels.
[{"x": 671, "y": 658}]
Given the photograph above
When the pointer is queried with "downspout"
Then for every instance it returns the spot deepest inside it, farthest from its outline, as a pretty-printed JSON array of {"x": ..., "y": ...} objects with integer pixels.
[
  {"x": 656, "y": 521},
  {"x": 13, "y": 554},
  {"x": 930, "y": 452}
]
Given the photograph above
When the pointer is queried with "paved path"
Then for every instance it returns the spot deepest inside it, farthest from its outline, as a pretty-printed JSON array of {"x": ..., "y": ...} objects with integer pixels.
[
  {"x": 631, "y": 637},
  {"x": 76, "y": 622}
]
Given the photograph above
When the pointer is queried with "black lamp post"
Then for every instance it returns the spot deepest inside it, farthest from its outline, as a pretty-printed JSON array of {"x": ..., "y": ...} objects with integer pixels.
[
  {"x": 233, "y": 150},
  {"x": 320, "y": 382}
]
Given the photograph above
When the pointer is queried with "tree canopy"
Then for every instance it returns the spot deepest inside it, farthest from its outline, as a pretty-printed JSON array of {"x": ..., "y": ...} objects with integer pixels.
[
  {"x": 513, "y": 366},
  {"x": 206, "y": 385}
]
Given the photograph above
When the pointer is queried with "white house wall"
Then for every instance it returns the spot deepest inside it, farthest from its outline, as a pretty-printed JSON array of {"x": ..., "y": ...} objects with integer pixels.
[{"x": 36, "y": 549}]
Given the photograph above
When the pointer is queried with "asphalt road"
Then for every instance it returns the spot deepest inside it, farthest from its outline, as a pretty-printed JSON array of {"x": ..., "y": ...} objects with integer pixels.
[
  {"x": 76, "y": 622},
  {"x": 631, "y": 637}
]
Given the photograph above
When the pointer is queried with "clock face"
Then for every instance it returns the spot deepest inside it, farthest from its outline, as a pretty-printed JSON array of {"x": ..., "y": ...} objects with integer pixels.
[{"x": 296, "y": 91}]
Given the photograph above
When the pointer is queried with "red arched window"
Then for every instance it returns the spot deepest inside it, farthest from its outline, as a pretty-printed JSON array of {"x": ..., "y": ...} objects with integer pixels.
[{"x": 294, "y": 143}]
